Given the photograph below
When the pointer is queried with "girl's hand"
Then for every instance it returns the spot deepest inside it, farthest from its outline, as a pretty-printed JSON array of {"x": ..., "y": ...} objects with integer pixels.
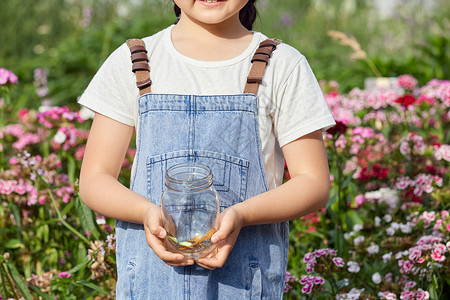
[
  {"x": 231, "y": 223},
  {"x": 156, "y": 234}
]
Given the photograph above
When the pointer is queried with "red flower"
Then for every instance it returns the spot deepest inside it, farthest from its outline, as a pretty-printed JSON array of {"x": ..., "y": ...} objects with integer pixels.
[
  {"x": 431, "y": 170},
  {"x": 340, "y": 127},
  {"x": 379, "y": 172},
  {"x": 405, "y": 100},
  {"x": 364, "y": 175},
  {"x": 409, "y": 194}
]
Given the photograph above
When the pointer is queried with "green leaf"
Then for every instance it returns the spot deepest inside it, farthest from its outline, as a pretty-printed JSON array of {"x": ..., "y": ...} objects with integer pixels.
[
  {"x": 433, "y": 292},
  {"x": 347, "y": 180},
  {"x": 79, "y": 266},
  {"x": 352, "y": 218},
  {"x": 14, "y": 244},
  {"x": 17, "y": 219},
  {"x": 332, "y": 199},
  {"x": 71, "y": 168},
  {"x": 93, "y": 286},
  {"x": 42, "y": 294},
  {"x": 20, "y": 283},
  {"x": 87, "y": 217},
  {"x": 67, "y": 208}
]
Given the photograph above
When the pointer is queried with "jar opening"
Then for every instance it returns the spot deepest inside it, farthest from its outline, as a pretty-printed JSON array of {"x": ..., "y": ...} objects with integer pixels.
[{"x": 188, "y": 176}]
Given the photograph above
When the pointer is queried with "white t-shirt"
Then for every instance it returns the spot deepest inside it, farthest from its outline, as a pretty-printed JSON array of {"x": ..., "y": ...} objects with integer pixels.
[{"x": 290, "y": 101}]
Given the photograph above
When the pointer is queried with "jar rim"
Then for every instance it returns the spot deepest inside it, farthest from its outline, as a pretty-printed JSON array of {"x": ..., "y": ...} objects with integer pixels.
[{"x": 208, "y": 174}]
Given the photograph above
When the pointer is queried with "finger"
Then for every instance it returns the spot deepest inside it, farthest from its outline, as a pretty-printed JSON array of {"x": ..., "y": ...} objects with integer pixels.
[
  {"x": 205, "y": 266},
  {"x": 157, "y": 244},
  {"x": 203, "y": 262},
  {"x": 218, "y": 259},
  {"x": 224, "y": 231},
  {"x": 158, "y": 231}
]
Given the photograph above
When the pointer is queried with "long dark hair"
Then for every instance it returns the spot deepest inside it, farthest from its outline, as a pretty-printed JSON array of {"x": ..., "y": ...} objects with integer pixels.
[{"x": 247, "y": 15}]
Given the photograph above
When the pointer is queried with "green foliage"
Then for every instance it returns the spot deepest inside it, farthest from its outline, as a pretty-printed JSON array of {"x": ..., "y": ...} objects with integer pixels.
[{"x": 71, "y": 39}]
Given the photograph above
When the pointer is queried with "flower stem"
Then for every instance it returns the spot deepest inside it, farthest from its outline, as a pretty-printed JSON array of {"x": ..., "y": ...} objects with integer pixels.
[
  {"x": 373, "y": 67},
  {"x": 5, "y": 270},
  {"x": 64, "y": 222}
]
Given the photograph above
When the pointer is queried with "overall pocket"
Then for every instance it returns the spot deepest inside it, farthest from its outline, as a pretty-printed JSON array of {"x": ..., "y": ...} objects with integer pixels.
[{"x": 229, "y": 173}]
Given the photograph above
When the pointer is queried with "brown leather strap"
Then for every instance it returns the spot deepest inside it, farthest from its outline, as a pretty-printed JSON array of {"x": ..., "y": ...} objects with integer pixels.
[
  {"x": 260, "y": 60},
  {"x": 140, "y": 66},
  {"x": 139, "y": 56}
]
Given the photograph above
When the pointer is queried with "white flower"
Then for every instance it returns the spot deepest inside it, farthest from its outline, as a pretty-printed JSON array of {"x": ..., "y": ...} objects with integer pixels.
[
  {"x": 100, "y": 221},
  {"x": 390, "y": 231},
  {"x": 399, "y": 255},
  {"x": 376, "y": 278},
  {"x": 387, "y": 218},
  {"x": 44, "y": 108},
  {"x": 373, "y": 249},
  {"x": 353, "y": 294},
  {"x": 357, "y": 227},
  {"x": 406, "y": 228},
  {"x": 387, "y": 257},
  {"x": 395, "y": 225},
  {"x": 59, "y": 137},
  {"x": 358, "y": 240},
  {"x": 348, "y": 235},
  {"x": 86, "y": 113},
  {"x": 377, "y": 221},
  {"x": 353, "y": 266}
]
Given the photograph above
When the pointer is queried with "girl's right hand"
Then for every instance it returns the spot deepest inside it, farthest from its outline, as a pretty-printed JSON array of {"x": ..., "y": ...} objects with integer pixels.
[{"x": 156, "y": 234}]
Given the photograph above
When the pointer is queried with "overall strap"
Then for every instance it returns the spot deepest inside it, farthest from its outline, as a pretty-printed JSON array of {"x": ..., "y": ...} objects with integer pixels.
[
  {"x": 140, "y": 67},
  {"x": 259, "y": 63}
]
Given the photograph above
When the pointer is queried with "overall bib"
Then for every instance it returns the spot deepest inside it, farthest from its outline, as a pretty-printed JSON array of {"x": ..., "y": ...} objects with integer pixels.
[{"x": 220, "y": 131}]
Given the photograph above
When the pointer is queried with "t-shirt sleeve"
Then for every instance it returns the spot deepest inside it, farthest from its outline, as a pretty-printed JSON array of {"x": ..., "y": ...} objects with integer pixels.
[
  {"x": 113, "y": 92},
  {"x": 301, "y": 106}
]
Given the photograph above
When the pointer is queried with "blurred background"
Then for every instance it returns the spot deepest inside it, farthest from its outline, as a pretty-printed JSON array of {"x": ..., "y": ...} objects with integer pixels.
[{"x": 69, "y": 39}]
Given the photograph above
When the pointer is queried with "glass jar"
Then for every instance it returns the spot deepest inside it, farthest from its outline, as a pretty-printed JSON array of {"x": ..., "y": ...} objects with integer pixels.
[{"x": 190, "y": 207}]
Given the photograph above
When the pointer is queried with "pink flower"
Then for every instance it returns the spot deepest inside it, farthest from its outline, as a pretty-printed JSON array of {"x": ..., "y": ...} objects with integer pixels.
[
  {"x": 409, "y": 285},
  {"x": 7, "y": 186},
  {"x": 308, "y": 256},
  {"x": 404, "y": 148},
  {"x": 387, "y": 296},
  {"x": 442, "y": 152},
  {"x": 403, "y": 183},
  {"x": 415, "y": 253},
  {"x": 421, "y": 294},
  {"x": 407, "y": 82},
  {"x": 405, "y": 265},
  {"x": 360, "y": 199},
  {"x": 438, "y": 251},
  {"x": 338, "y": 261},
  {"x": 20, "y": 189},
  {"x": 307, "y": 288},
  {"x": 428, "y": 217},
  {"x": 41, "y": 200},
  {"x": 64, "y": 274},
  {"x": 407, "y": 295},
  {"x": 7, "y": 75},
  {"x": 341, "y": 142}
]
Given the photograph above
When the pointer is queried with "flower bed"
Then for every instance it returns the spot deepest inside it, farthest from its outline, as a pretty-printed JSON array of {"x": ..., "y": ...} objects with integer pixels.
[{"x": 384, "y": 234}]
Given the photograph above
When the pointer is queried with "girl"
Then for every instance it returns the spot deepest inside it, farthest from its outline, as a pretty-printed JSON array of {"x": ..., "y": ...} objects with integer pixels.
[{"x": 225, "y": 96}]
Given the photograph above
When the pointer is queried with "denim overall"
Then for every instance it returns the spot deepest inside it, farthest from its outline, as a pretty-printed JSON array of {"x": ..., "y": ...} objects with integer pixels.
[{"x": 220, "y": 131}]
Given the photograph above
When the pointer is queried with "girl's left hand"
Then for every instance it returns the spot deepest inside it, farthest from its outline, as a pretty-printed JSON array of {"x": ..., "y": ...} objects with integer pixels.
[{"x": 231, "y": 223}]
